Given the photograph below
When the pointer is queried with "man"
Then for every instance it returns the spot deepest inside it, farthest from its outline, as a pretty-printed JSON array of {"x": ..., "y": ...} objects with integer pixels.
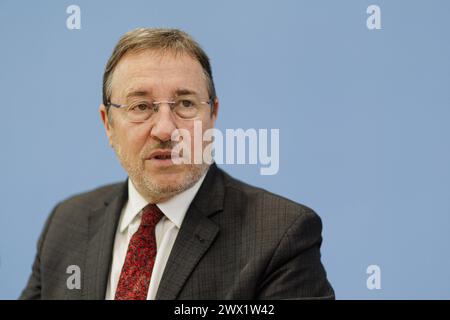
[{"x": 175, "y": 229}]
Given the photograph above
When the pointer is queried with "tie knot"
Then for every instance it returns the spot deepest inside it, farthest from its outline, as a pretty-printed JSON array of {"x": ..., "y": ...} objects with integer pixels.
[{"x": 151, "y": 215}]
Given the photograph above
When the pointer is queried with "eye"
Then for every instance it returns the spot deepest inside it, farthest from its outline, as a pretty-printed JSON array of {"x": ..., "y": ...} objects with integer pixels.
[
  {"x": 186, "y": 103},
  {"x": 139, "y": 106}
]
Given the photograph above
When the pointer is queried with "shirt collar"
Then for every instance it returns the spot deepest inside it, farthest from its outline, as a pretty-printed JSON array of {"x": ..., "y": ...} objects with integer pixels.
[{"x": 174, "y": 209}]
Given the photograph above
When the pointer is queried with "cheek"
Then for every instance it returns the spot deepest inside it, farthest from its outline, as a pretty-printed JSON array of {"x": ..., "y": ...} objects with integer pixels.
[
  {"x": 196, "y": 135},
  {"x": 131, "y": 141},
  {"x": 198, "y": 144}
]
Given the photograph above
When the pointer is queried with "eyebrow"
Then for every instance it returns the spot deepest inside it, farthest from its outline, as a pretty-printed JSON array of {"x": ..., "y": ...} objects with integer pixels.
[
  {"x": 137, "y": 93},
  {"x": 183, "y": 92},
  {"x": 144, "y": 93}
]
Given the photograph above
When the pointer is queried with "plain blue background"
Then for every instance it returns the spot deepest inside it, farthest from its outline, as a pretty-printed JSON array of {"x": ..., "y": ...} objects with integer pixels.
[{"x": 363, "y": 118}]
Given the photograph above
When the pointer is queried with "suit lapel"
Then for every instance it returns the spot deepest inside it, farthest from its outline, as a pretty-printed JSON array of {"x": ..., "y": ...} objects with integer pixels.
[
  {"x": 195, "y": 236},
  {"x": 102, "y": 227}
]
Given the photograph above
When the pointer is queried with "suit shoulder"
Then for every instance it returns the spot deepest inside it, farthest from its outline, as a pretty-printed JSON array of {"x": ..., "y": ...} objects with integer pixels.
[
  {"x": 267, "y": 204},
  {"x": 68, "y": 218},
  {"x": 91, "y": 199}
]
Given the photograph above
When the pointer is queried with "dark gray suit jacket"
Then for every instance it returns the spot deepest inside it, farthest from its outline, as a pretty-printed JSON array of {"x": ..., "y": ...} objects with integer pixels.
[{"x": 236, "y": 242}]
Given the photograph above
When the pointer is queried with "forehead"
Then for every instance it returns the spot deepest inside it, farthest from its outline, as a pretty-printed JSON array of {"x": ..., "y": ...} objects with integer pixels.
[{"x": 158, "y": 73}]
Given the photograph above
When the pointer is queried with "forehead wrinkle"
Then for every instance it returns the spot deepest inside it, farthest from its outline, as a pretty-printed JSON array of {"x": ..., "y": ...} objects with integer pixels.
[
  {"x": 136, "y": 66},
  {"x": 132, "y": 91},
  {"x": 141, "y": 90}
]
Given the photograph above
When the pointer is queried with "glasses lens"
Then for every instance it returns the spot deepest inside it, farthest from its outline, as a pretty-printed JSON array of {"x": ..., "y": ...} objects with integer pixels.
[
  {"x": 139, "y": 111},
  {"x": 187, "y": 108}
]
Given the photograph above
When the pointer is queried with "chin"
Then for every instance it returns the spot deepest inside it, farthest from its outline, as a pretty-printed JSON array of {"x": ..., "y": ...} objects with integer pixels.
[
  {"x": 172, "y": 173},
  {"x": 168, "y": 179},
  {"x": 171, "y": 179}
]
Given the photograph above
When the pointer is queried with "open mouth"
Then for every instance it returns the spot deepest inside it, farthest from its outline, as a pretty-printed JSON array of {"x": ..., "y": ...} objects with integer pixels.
[{"x": 163, "y": 157}]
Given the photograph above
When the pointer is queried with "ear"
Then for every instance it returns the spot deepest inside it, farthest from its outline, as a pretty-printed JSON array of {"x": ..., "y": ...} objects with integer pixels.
[
  {"x": 106, "y": 123},
  {"x": 215, "y": 110}
]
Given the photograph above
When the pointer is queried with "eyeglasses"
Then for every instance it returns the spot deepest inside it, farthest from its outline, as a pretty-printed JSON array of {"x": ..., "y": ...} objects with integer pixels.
[{"x": 185, "y": 108}]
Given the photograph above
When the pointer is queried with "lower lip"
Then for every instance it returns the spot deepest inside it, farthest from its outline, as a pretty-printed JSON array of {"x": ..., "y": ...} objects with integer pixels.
[{"x": 162, "y": 162}]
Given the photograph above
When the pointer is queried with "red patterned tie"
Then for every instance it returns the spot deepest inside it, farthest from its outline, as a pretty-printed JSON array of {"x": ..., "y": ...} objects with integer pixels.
[{"x": 137, "y": 268}]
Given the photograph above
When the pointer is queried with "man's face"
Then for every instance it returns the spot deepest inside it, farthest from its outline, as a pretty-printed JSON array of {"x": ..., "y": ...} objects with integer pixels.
[{"x": 157, "y": 77}]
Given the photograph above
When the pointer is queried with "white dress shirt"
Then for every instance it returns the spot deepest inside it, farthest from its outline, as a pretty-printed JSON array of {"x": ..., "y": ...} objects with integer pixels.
[{"x": 166, "y": 232}]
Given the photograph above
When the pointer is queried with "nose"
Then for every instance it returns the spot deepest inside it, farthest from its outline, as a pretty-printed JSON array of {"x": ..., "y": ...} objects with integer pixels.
[{"x": 164, "y": 123}]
